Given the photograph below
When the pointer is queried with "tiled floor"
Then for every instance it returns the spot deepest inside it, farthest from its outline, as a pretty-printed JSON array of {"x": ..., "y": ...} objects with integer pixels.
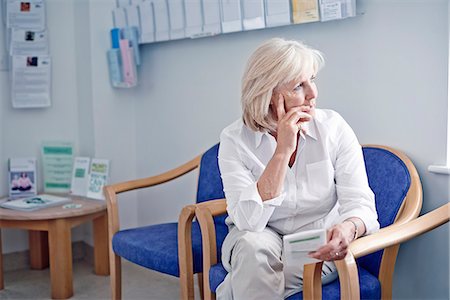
[{"x": 137, "y": 283}]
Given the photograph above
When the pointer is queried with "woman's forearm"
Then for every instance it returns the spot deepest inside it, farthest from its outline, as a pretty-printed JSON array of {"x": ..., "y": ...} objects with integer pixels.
[{"x": 270, "y": 184}]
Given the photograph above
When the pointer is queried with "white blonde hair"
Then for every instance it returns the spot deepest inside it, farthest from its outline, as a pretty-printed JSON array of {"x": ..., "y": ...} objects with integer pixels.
[{"x": 274, "y": 63}]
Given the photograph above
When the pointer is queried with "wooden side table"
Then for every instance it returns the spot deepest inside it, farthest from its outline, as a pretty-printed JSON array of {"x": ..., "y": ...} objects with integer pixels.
[{"x": 51, "y": 242}]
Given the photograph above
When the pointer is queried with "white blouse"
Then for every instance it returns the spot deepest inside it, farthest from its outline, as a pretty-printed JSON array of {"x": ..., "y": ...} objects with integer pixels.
[{"x": 326, "y": 185}]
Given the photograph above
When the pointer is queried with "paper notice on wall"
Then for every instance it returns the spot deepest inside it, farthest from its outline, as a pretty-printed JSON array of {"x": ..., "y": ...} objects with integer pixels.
[
  {"x": 30, "y": 81},
  {"x": 25, "y": 14},
  {"x": 28, "y": 42},
  {"x": 330, "y": 10}
]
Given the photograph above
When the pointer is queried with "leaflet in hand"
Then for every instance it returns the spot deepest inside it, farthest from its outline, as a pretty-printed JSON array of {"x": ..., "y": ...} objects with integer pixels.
[{"x": 298, "y": 245}]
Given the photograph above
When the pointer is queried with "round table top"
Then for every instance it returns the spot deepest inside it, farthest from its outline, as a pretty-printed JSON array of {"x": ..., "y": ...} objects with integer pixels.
[{"x": 88, "y": 206}]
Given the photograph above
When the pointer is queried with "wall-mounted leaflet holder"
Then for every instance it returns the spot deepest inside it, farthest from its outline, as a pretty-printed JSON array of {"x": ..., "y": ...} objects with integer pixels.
[{"x": 124, "y": 57}]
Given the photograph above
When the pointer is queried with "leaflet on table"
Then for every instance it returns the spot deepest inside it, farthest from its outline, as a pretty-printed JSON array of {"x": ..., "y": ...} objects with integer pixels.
[
  {"x": 30, "y": 81},
  {"x": 28, "y": 42},
  {"x": 298, "y": 245},
  {"x": 98, "y": 178},
  {"x": 80, "y": 176},
  {"x": 28, "y": 14},
  {"x": 22, "y": 177},
  {"x": 35, "y": 202},
  {"x": 57, "y": 159}
]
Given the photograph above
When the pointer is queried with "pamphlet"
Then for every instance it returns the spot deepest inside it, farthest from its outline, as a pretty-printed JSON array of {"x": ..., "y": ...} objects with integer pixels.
[
  {"x": 298, "y": 245},
  {"x": 57, "y": 159},
  {"x": 98, "y": 178},
  {"x": 80, "y": 176},
  {"x": 35, "y": 202},
  {"x": 22, "y": 177}
]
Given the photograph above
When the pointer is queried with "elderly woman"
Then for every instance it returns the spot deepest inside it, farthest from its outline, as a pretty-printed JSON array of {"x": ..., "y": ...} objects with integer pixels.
[{"x": 288, "y": 167}]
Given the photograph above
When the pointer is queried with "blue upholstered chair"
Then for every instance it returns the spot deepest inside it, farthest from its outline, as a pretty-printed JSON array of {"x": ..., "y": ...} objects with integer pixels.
[
  {"x": 170, "y": 248},
  {"x": 398, "y": 196}
]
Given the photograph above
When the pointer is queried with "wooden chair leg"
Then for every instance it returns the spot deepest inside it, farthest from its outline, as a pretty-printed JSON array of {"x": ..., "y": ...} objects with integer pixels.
[
  {"x": 387, "y": 271},
  {"x": 2, "y": 286},
  {"x": 116, "y": 276},
  {"x": 200, "y": 284}
]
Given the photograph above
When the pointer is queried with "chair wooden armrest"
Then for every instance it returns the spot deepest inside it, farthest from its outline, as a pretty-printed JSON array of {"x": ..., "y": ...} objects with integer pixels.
[
  {"x": 112, "y": 190},
  {"x": 184, "y": 227},
  {"x": 205, "y": 212},
  {"x": 386, "y": 237}
]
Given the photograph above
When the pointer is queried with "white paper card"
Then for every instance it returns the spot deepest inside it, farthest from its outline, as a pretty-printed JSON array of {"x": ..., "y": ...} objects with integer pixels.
[
  {"x": 147, "y": 22},
  {"x": 22, "y": 177},
  {"x": 133, "y": 17},
  {"x": 31, "y": 81},
  {"x": 330, "y": 11},
  {"x": 298, "y": 245},
  {"x": 253, "y": 14},
  {"x": 80, "y": 176},
  {"x": 98, "y": 178},
  {"x": 278, "y": 13},
  {"x": 176, "y": 14},
  {"x": 211, "y": 17},
  {"x": 231, "y": 15},
  {"x": 194, "y": 19},
  {"x": 119, "y": 17},
  {"x": 28, "y": 42},
  {"x": 161, "y": 14},
  {"x": 29, "y": 14}
]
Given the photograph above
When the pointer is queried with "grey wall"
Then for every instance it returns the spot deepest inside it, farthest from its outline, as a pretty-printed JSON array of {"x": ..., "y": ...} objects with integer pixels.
[{"x": 386, "y": 72}]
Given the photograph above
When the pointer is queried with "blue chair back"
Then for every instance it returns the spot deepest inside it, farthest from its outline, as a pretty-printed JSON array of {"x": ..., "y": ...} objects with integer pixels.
[
  {"x": 390, "y": 180},
  {"x": 210, "y": 184}
]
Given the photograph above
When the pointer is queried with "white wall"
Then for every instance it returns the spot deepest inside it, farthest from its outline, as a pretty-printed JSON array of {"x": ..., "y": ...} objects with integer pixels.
[{"x": 386, "y": 73}]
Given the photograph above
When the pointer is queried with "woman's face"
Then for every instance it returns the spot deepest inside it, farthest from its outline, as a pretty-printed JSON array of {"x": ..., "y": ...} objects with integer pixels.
[{"x": 298, "y": 93}]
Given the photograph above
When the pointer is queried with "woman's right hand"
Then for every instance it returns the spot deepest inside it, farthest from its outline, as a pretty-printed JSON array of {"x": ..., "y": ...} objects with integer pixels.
[{"x": 289, "y": 124}]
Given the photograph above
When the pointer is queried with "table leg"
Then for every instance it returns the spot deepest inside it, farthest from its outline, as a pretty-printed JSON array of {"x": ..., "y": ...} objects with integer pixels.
[
  {"x": 38, "y": 244},
  {"x": 2, "y": 286},
  {"x": 60, "y": 244},
  {"x": 101, "y": 252}
]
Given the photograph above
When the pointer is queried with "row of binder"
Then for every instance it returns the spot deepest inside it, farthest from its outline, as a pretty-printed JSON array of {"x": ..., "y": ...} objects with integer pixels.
[{"x": 162, "y": 20}]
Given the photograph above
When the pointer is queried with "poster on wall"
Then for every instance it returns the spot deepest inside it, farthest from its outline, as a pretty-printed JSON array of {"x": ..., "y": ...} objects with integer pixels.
[
  {"x": 30, "y": 81},
  {"x": 25, "y": 14}
]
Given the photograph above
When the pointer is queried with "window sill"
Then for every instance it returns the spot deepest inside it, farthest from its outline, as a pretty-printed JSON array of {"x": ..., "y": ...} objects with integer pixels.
[{"x": 439, "y": 169}]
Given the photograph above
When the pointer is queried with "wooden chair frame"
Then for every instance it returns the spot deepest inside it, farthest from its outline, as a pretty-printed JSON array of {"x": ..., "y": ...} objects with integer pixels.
[
  {"x": 184, "y": 229},
  {"x": 388, "y": 238}
]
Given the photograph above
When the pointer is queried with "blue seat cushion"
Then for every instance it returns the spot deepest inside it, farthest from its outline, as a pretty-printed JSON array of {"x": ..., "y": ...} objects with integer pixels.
[
  {"x": 156, "y": 247},
  {"x": 370, "y": 287}
]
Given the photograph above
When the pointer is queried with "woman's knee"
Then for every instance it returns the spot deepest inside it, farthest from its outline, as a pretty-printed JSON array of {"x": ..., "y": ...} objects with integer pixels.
[{"x": 258, "y": 243}]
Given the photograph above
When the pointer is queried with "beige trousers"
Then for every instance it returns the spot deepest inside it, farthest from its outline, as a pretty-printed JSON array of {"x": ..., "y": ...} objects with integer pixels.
[{"x": 255, "y": 267}]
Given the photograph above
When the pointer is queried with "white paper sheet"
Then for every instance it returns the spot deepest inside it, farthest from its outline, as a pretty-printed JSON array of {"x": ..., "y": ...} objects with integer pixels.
[
  {"x": 80, "y": 176},
  {"x": 119, "y": 17},
  {"x": 231, "y": 15},
  {"x": 147, "y": 22},
  {"x": 161, "y": 15},
  {"x": 194, "y": 19},
  {"x": 211, "y": 17},
  {"x": 25, "y": 15},
  {"x": 28, "y": 42},
  {"x": 278, "y": 13},
  {"x": 133, "y": 17},
  {"x": 330, "y": 11},
  {"x": 253, "y": 14},
  {"x": 176, "y": 16},
  {"x": 30, "y": 81}
]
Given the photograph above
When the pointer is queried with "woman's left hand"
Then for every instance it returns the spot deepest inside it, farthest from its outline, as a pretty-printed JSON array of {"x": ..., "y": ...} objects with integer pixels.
[{"x": 339, "y": 237}]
